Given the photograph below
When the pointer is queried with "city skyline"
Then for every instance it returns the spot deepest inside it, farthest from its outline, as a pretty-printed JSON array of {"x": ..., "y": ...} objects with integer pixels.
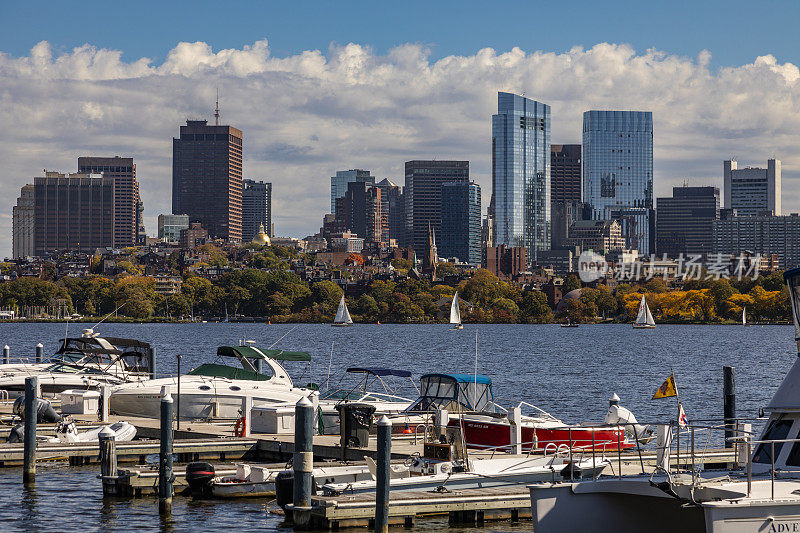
[{"x": 302, "y": 134}]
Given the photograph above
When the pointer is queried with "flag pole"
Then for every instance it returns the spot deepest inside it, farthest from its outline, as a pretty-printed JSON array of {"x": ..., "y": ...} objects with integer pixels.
[{"x": 678, "y": 421}]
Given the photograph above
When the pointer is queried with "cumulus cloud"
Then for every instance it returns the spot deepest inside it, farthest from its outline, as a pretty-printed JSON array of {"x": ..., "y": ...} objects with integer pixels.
[{"x": 307, "y": 115}]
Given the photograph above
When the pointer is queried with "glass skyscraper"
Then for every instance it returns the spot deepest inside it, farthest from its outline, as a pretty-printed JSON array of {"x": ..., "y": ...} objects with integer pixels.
[
  {"x": 521, "y": 173},
  {"x": 618, "y": 172},
  {"x": 342, "y": 178},
  {"x": 460, "y": 235}
]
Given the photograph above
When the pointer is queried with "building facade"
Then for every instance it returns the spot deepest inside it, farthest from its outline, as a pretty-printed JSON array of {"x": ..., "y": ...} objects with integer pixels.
[
  {"x": 602, "y": 236},
  {"x": 393, "y": 213},
  {"x": 207, "y": 178},
  {"x": 193, "y": 236},
  {"x": 521, "y": 173},
  {"x": 127, "y": 203},
  {"x": 506, "y": 261},
  {"x": 684, "y": 222},
  {"x": 73, "y": 212},
  {"x": 359, "y": 211},
  {"x": 618, "y": 172},
  {"x": 256, "y": 209},
  {"x": 564, "y": 214},
  {"x": 565, "y": 173},
  {"x": 22, "y": 221},
  {"x": 764, "y": 235},
  {"x": 423, "y": 197},
  {"x": 753, "y": 191},
  {"x": 170, "y": 227},
  {"x": 342, "y": 178},
  {"x": 460, "y": 234}
]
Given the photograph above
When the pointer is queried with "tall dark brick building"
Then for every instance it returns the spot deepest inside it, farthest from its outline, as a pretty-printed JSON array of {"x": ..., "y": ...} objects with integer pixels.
[
  {"x": 565, "y": 173},
  {"x": 127, "y": 216}
]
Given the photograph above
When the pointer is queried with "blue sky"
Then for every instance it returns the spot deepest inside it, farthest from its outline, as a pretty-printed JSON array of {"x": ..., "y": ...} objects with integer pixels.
[{"x": 734, "y": 31}]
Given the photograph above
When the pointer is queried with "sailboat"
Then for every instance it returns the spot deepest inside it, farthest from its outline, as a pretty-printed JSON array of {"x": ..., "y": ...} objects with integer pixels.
[
  {"x": 744, "y": 316},
  {"x": 644, "y": 320},
  {"x": 455, "y": 313},
  {"x": 342, "y": 319}
]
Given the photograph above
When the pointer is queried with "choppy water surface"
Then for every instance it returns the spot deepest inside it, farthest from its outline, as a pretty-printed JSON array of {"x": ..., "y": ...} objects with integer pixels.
[{"x": 569, "y": 372}]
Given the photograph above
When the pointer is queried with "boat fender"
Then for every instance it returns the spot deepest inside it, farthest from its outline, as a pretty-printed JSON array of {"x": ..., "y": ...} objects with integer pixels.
[
  {"x": 199, "y": 476},
  {"x": 44, "y": 411},
  {"x": 240, "y": 428},
  {"x": 284, "y": 488},
  {"x": 17, "y": 434}
]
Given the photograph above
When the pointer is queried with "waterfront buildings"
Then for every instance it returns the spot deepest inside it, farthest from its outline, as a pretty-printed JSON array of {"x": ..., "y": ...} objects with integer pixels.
[
  {"x": 753, "y": 191},
  {"x": 256, "y": 209},
  {"x": 170, "y": 227},
  {"x": 602, "y": 236},
  {"x": 207, "y": 178},
  {"x": 342, "y": 178},
  {"x": 565, "y": 173},
  {"x": 22, "y": 221},
  {"x": 521, "y": 173},
  {"x": 684, "y": 222},
  {"x": 359, "y": 211},
  {"x": 762, "y": 234},
  {"x": 127, "y": 202},
  {"x": 73, "y": 212},
  {"x": 618, "y": 172},
  {"x": 506, "y": 261},
  {"x": 460, "y": 234},
  {"x": 423, "y": 197}
]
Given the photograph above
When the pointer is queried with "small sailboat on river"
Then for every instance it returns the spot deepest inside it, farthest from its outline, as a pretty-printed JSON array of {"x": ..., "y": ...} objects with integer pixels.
[
  {"x": 455, "y": 313},
  {"x": 644, "y": 320},
  {"x": 342, "y": 318}
]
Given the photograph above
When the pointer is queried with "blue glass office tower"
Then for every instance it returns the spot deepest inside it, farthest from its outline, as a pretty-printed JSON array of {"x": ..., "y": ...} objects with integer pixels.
[
  {"x": 521, "y": 173},
  {"x": 460, "y": 235},
  {"x": 342, "y": 178},
  {"x": 618, "y": 172}
]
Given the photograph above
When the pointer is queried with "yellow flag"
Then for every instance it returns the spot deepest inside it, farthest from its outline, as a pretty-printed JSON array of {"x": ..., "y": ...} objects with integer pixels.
[{"x": 667, "y": 389}]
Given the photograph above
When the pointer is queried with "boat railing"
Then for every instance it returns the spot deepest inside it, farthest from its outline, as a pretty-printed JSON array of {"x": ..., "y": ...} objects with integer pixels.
[
  {"x": 541, "y": 411},
  {"x": 3, "y": 395}
]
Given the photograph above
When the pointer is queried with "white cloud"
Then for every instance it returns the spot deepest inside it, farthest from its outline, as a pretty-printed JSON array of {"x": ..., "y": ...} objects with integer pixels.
[{"x": 306, "y": 115}]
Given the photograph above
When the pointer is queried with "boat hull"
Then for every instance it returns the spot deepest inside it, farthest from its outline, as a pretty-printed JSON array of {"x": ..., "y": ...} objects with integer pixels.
[
  {"x": 243, "y": 489},
  {"x": 643, "y": 326},
  {"x": 482, "y": 434},
  {"x": 342, "y": 325}
]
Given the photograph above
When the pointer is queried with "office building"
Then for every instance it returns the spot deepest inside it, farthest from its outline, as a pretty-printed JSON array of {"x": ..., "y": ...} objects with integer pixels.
[
  {"x": 359, "y": 211},
  {"x": 423, "y": 197},
  {"x": 684, "y": 221},
  {"x": 170, "y": 227},
  {"x": 460, "y": 234},
  {"x": 564, "y": 214},
  {"x": 601, "y": 236},
  {"x": 193, "y": 236},
  {"x": 393, "y": 213},
  {"x": 618, "y": 172},
  {"x": 22, "y": 222},
  {"x": 342, "y": 178},
  {"x": 565, "y": 173},
  {"x": 521, "y": 173},
  {"x": 127, "y": 202},
  {"x": 207, "y": 178},
  {"x": 753, "y": 191},
  {"x": 73, "y": 212},
  {"x": 761, "y": 234},
  {"x": 256, "y": 209},
  {"x": 505, "y": 262}
]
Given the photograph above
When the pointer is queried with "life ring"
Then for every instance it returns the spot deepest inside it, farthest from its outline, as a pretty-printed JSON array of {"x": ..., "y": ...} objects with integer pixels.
[{"x": 240, "y": 427}]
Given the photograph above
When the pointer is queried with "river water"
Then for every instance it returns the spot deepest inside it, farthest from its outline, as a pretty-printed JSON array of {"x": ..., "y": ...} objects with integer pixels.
[{"x": 569, "y": 372}]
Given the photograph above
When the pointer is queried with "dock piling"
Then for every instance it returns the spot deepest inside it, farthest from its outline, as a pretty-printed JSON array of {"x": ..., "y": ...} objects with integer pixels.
[
  {"x": 383, "y": 475},
  {"x": 105, "y": 399},
  {"x": 6, "y": 354},
  {"x": 108, "y": 461},
  {"x": 151, "y": 355},
  {"x": 729, "y": 404},
  {"x": 178, "y": 398},
  {"x": 303, "y": 462},
  {"x": 247, "y": 415},
  {"x": 29, "y": 457},
  {"x": 515, "y": 426},
  {"x": 39, "y": 352},
  {"x": 165, "y": 477}
]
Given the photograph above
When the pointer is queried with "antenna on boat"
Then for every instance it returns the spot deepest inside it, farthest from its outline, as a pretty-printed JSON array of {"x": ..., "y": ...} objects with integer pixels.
[
  {"x": 330, "y": 363},
  {"x": 476, "y": 357},
  {"x": 111, "y": 313},
  {"x": 282, "y": 337}
]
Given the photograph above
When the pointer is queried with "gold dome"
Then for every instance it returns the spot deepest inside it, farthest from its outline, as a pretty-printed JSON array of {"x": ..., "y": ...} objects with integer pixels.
[{"x": 261, "y": 237}]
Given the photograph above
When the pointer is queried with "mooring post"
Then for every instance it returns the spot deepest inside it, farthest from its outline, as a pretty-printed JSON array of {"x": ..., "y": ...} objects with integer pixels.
[
  {"x": 247, "y": 415},
  {"x": 152, "y": 362},
  {"x": 165, "y": 477},
  {"x": 178, "y": 397},
  {"x": 303, "y": 461},
  {"x": 6, "y": 354},
  {"x": 383, "y": 475},
  {"x": 105, "y": 399},
  {"x": 39, "y": 352},
  {"x": 31, "y": 413},
  {"x": 729, "y": 404},
  {"x": 108, "y": 461},
  {"x": 515, "y": 426}
]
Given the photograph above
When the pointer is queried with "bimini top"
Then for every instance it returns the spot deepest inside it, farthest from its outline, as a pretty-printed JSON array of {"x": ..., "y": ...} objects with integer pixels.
[
  {"x": 378, "y": 371},
  {"x": 463, "y": 378},
  {"x": 251, "y": 352},
  {"x": 454, "y": 392}
]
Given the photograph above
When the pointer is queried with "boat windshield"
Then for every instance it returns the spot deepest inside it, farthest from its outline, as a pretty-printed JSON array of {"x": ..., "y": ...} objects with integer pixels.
[{"x": 341, "y": 394}]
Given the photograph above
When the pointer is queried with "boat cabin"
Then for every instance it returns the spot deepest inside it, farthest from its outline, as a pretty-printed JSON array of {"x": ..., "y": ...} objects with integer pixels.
[
  {"x": 253, "y": 361},
  {"x": 367, "y": 376},
  {"x": 456, "y": 393},
  {"x": 101, "y": 353}
]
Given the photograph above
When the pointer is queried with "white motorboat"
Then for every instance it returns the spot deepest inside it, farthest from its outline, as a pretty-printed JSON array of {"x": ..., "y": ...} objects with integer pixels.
[
  {"x": 215, "y": 391},
  {"x": 67, "y": 432},
  {"x": 761, "y": 495},
  {"x": 644, "y": 319},
  {"x": 342, "y": 318},
  {"x": 455, "y": 313}
]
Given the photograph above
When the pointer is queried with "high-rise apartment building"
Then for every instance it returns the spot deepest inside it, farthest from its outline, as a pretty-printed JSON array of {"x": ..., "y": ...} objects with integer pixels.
[
  {"x": 73, "y": 212},
  {"x": 393, "y": 213},
  {"x": 565, "y": 173},
  {"x": 22, "y": 224},
  {"x": 423, "y": 197},
  {"x": 342, "y": 178},
  {"x": 506, "y": 262},
  {"x": 521, "y": 173},
  {"x": 207, "y": 178},
  {"x": 359, "y": 211},
  {"x": 684, "y": 222},
  {"x": 753, "y": 191},
  {"x": 761, "y": 234},
  {"x": 170, "y": 227},
  {"x": 127, "y": 215},
  {"x": 602, "y": 236},
  {"x": 460, "y": 234},
  {"x": 256, "y": 209},
  {"x": 618, "y": 172}
]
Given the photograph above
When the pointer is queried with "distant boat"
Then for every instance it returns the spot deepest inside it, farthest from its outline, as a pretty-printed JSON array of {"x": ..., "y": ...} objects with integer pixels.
[
  {"x": 455, "y": 313},
  {"x": 342, "y": 319},
  {"x": 744, "y": 316},
  {"x": 570, "y": 324},
  {"x": 644, "y": 320}
]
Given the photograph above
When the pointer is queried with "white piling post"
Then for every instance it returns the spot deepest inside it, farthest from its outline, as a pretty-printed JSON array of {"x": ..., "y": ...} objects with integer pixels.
[
  {"x": 105, "y": 399},
  {"x": 743, "y": 455},
  {"x": 515, "y": 419},
  {"x": 247, "y": 414}
]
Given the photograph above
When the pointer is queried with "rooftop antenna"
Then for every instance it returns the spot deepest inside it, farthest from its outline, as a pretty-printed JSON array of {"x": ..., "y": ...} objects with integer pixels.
[{"x": 216, "y": 110}]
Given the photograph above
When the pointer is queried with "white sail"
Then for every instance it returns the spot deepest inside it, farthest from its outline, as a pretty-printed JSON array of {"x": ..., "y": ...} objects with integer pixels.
[
  {"x": 342, "y": 314},
  {"x": 455, "y": 311},
  {"x": 744, "y": 316},
  {"x": 650, "y": 321},
  {"x": 645, "y": 316}
]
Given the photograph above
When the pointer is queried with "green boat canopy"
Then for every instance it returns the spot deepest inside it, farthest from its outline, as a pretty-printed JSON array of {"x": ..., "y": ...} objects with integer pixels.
[
  {"x": 223, "y": 371},
  {"x": 250, "y": 352}
]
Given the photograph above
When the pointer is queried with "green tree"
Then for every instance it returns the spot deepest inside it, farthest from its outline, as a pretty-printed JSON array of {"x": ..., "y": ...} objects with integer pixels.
[{"x": 570, "y": 284}]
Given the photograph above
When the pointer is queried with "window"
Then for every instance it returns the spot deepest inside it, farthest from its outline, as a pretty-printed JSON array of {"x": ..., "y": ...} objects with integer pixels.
[{"x": 777, "y": 429}]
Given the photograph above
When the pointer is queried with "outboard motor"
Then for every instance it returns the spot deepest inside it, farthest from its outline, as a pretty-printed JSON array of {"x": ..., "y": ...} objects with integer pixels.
[
  {"x": 17, "y": 434},
  {"x": 199, "y": 476},
  {"x": 617, "y": 414},
  {"x": 44, "y": 411}
]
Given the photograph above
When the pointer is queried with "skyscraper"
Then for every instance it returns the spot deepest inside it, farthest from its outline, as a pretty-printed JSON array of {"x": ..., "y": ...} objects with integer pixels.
[
  {"x": 751, "y": 190},
  {"x": 423, "y": 196},
  {"x": 684, "y": 222},
  {"x": 22, "y": 224},
  {"x": 170, "y": 227},
  {"x": 393, "y": 213},
  {"x": 461, "y": 222},
  {"x": 342, "y": 178},
  {"x": 127, "y": 217},
  {"x": 207, "y": 178},
  {"x": 73, "y": 212},
  {"x": 521, "y": 173},
  {"x": 359, "y": 211},
  {"x": 256, "y": 208},
  {"x": 565, "y": 173},
  {"x": 618, "y": 171}
]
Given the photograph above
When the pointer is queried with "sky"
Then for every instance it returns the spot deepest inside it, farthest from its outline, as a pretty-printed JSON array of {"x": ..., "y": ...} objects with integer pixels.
[{"x": 324, "y": 86}]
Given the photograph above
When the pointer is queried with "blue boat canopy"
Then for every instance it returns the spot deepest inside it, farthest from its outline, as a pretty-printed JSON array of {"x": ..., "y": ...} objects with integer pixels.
[
  {"x": 454, "y": 392},
  {"x": 463, "y": 378},
  {"x": 378, "y": 371}
]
